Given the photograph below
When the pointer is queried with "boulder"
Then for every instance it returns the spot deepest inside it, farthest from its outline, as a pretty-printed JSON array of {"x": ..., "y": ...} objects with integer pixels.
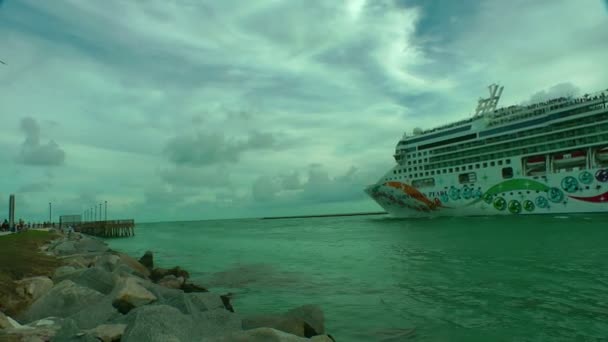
[
  {"x": 7, "y": 322},
  {"x": 206, "y": 301},
  {"x": 311, "y": 314},
  {"x": 140, "y": 270},
  {"x": 147, "y": 260},
  {"x": 190, "y": 287},
  {"x": 265, "y": 335},
  {"x": 65, "y": 248},
  {"x": 89, "y": 244},
  {"x": 107, "y": 261},
  {"x": 63, "y": 300},
  {"x": 191, "y": 303},
  {"x": 108, "y": 332},
  {"x": 41, "y": 330},
  {"x": 291, "y": 325},
  {"x": 70, "y": 332},
  {"x": 95, "y": 314},
  {"x": 94, "y": 278},
  {"x": 172, "y": 282},
  {"x": 159, "y": 273},
  {"x": 62, "y": 271},
  {"x": 131, "y": 294},
  {"x": 217, "y": 322},
  {"x": 158, "y": 323},
  {"x": 226, "y": 300},
  {"x": 304, "y": 321},
  {"x": 33, "y": 288},
  {"x": 78, "y": 261}
]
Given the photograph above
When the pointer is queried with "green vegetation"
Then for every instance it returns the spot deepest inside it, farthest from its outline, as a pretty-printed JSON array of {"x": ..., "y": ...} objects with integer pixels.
[{"x": 20, "y": 257}]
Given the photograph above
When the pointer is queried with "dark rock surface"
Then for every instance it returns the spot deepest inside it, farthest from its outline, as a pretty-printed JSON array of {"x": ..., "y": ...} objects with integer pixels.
[{"x": 147, "y": 260}]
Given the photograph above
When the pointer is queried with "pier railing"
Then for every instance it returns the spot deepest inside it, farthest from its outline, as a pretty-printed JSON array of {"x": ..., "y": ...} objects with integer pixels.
[{"x": 114, "y": 228}]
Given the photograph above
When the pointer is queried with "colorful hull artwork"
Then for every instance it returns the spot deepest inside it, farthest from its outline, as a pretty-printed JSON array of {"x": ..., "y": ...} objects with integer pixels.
[{"x": 568, "y": 192}]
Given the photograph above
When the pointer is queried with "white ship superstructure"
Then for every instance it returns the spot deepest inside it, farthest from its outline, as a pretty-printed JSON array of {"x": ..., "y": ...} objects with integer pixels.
[{"x": 547, "y": 157}]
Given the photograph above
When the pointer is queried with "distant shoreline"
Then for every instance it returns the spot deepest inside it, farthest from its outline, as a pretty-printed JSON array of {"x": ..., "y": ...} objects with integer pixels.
[{"x": 324, "y": 215}]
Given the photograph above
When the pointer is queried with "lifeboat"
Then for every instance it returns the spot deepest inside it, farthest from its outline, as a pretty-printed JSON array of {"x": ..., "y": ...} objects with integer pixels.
[
  {"x": 602, "y": 154},
  {"x": 535, "y": 161},
  {"x": 574, "y": 157}
]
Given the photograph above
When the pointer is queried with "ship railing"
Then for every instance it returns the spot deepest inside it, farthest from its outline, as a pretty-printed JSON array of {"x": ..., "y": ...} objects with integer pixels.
[{"x": 544, "y": 107}]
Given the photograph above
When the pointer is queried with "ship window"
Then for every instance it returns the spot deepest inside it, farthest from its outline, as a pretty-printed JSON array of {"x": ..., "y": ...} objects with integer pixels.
[
  {"x": 485, "y": 164},
  {"x": 409, "y": 163},
  {"x": 477, "y": 166},
  {"x": 451, "y": 170},
  {"x": 432, "y": 173},
  {"x": 470, "y": 177},
  {"x": 426, "y": 173},
  {"x": 500, "y": 162},
  {"x": 507, "y": 172},
  {"x": 426, "y": 160},
  {"x": 395, "y": 171},
  {"x": 492, "y": 163},
  {"x": 422, "y": 183},
  {"x": 508, "y": 161},
  {"x": 457, "y": 169},
  {"x": 470, "y": 167}
]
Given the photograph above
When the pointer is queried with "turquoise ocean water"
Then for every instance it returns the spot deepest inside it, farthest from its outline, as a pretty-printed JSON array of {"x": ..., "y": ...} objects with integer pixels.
[{"x": 534, "y": 278}]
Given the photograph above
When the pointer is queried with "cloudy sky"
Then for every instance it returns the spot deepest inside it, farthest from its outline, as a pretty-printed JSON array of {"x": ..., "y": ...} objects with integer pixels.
[{"x": 192, "y": 109}]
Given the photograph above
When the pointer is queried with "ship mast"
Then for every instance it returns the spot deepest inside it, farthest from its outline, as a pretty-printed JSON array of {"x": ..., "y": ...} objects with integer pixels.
[{"x": 488, "y": 104}]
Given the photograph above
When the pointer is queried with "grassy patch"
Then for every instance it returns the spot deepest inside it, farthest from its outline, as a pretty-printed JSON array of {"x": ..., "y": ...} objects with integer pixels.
[{"x": 20, "y": 257}]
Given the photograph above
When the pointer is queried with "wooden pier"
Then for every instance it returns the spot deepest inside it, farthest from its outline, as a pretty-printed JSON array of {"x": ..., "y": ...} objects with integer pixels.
[{"x": 107, "y": 229}]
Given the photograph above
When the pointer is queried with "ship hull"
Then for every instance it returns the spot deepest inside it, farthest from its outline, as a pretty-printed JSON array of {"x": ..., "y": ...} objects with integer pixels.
[{"x": 579, "y": 191}]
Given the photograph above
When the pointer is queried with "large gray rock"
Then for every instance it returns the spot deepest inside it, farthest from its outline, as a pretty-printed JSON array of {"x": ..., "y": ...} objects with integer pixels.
[
  {"x": 62, "y": 271},
  {"x": 172, "y": 281},
  {"x": 217, "y": 322},
  {"x": 265, "y": 335},
  {"x": 311, "y": 314},
  {"x": 7, "y": 323},
  {"x": 130, "y": 294},
  {"x": 136, "y": 267},
  {"x": 63, "y": 300},
  {"x": 78, "y": 261},
  {"x": 88, "y": 245},
  {"x": 41, "y": 330},
  {"x": 147, "y": 260},
  {"x": 95, "y": 278},
  {"x": 109, "y": 332},
  {"x": 33, "y": 288},
  {"x": 206, "y": 301},
  {"x": 191, "y": 303},
  {"x": 65, "y": 248},
  {"x": 304, "y": 321},
  {"x": 291, "y": 325},
  {"x": 70, "y": 332},
  {"x": 97, "y": 313},
  {"x": 107, "y": 261},
  {"x": 158, "y": 323}
]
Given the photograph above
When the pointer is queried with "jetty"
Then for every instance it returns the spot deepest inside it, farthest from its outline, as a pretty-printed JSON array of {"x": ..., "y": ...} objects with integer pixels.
[{"x": 107, "y": 229}]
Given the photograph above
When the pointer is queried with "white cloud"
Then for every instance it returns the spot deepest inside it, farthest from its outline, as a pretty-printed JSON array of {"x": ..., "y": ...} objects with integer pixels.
[{"x": 237, "y": 98}]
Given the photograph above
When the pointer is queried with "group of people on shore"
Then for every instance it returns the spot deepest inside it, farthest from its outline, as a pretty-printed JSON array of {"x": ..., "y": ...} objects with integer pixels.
[{"x": 22, "y": 225}]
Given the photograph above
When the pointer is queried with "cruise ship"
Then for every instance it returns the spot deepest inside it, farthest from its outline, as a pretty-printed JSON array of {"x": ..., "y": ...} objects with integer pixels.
[{"x": 545, "y": 158}]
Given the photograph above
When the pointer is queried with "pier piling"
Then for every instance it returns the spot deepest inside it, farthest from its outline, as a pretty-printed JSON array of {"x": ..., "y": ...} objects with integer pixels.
[{"x": 108, "y": 229}]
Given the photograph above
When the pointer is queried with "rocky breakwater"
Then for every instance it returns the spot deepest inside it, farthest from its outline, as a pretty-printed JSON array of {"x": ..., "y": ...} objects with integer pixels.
[{"x": 102, "y": 295}]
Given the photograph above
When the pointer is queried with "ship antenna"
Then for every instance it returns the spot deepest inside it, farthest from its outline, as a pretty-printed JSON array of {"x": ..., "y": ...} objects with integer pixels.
[{"x": 489, "y": 104}]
